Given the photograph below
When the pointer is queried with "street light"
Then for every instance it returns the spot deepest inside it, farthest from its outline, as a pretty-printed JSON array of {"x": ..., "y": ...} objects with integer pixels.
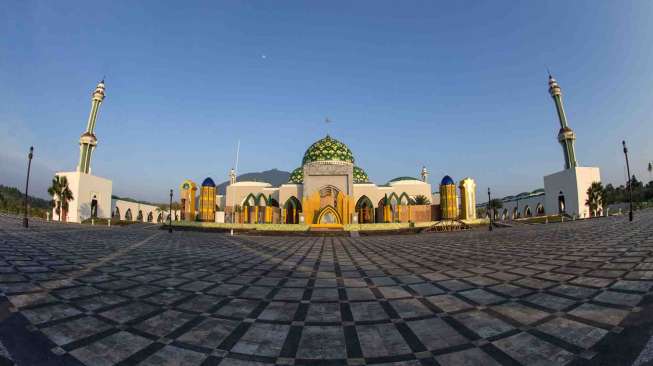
[
  {"x": 630, "y": 186},
  {"x": 29, "y": 166},
  {"x": 170, "y": 214},
  {"x": 489, "y": 204}
]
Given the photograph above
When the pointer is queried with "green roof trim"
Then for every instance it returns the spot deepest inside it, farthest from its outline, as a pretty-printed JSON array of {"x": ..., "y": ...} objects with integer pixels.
[{"x": 398, "y": 179}]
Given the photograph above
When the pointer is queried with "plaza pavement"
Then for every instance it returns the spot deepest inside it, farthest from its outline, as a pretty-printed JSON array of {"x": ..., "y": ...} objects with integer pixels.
[{"x": 573, "y": 293}]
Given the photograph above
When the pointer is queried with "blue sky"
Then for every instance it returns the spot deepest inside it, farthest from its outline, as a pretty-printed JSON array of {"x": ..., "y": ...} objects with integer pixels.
[{"x": 458, "y": 86}]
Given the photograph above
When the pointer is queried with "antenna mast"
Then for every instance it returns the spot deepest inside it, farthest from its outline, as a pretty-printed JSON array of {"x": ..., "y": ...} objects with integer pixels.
[{"x": 237, "y": 153}]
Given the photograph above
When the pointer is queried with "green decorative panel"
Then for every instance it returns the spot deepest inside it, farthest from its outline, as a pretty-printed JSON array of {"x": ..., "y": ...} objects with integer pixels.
[
  {"x": 360, "y": 176},
  {"x": 297, "y": 176},
  {"x": 328, "y": 149}
]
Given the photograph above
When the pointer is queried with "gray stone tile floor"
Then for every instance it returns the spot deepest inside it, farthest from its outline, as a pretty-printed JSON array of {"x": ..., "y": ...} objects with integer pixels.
[{"x": 551, "y": 294}]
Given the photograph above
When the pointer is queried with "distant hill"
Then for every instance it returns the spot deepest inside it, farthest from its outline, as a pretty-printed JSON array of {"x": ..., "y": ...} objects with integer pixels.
[
  {"x": 11, "y": 200},
  {"x": 11, "y": 197},
  {"x": 274, "y": 176}
]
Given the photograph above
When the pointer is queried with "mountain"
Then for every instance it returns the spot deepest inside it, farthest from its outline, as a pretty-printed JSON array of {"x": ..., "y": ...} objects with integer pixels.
[{"x": 274, "y": 176}]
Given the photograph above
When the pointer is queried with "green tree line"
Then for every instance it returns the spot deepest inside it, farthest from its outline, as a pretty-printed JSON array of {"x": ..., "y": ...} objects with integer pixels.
[{"x": 12, "y": 201}]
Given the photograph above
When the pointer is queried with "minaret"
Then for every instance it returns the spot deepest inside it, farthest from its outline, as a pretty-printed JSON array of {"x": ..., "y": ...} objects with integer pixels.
[
  {"x": 232, "y": 176},
  {"x": 566, "y": 136},
  {"x": 425, "y": 175},
  {"x": 88, "y": 141}
]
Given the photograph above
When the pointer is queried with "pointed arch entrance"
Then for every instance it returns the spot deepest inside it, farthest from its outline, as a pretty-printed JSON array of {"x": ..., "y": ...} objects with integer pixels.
[
  {"x": 329, "y": 216},
  {"x": 249, "y": 209},
  {"x": 291, "y": 210},
  {"x": 365, "y": 210}
]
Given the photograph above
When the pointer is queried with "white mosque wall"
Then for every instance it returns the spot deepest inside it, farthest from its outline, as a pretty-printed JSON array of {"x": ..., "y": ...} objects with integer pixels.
[
  {"x": 84, "y": 187},
  {"x": 375, "y": 193},
  {"x": 290, "y": 190},
  {"x": 119, "y": 210},
  {"x": 412, "y": 188},
  {"x": 371, "y": 191},
  {"x": 237, "y": 192},
  {"x": 572, "y": 184},
  {"x": 521, "y": 206}
]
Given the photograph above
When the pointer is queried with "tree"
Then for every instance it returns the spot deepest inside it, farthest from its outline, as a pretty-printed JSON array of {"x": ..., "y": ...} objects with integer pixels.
[
  {"x": 61, "y": 195},
  {"x": 595, "y": 197},
  {"x": 421, "y": 199}
]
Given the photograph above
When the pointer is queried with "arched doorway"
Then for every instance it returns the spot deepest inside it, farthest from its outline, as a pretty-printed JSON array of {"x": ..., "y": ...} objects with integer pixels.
[
  {"x": 504, "y": 214},
  {"x": 365, "y": 210},
  {"x": 393, "y": 202},
  {"x": 94, "y": 207},
  {"x": 128, "y": 215},
  {"x": 116, "y": 213},
  {"x": 291, "y": 210},
  {"x": 539, "y": 210},
  {"x": 150, "y": 217},
  {"x": 329, "y": 215},
  {"x": 248, "y": 209},
  {"x": 381, "y": 210},
  {"x": 515, "y": 213},
  {"x": 561, "y": 203},
  {"x": 160, "y": 217},
  {"x": 527, "y": 211},
  {"x": 139, "y": 217}
]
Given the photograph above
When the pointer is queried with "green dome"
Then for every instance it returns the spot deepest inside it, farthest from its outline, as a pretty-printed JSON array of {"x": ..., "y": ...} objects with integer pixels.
[
  {"x": 328, "y": 149},
  {"x": 297, "y": 176},
  {"x": 360, "y": 176}
]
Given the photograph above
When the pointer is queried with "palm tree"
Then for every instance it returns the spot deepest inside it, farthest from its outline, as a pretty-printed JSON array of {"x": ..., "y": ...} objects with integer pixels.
[
  {"x": 595, "y": 197},
  {"x": 421, "y": 199},
  {"x": 61, "y": 195}
]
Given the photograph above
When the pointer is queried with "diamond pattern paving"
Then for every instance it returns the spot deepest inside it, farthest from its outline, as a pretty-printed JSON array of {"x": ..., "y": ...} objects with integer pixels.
[{"x": 531, "y": 294}]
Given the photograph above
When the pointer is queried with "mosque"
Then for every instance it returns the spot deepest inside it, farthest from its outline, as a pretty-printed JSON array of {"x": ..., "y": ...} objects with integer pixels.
[{"x": 329, "y": 190}]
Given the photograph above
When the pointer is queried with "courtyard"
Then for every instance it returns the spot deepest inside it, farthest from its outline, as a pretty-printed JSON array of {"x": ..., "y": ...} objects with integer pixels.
[{"x": 576, "y": 293}]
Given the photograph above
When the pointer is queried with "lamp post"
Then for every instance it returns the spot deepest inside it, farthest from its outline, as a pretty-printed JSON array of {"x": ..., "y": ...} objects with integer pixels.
[
  {"x": 170, "y": 216},
  {"x": 29, "y": 166},
  {"x": 489, "y": 204},
  {"x": 630, "y": 186}
]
